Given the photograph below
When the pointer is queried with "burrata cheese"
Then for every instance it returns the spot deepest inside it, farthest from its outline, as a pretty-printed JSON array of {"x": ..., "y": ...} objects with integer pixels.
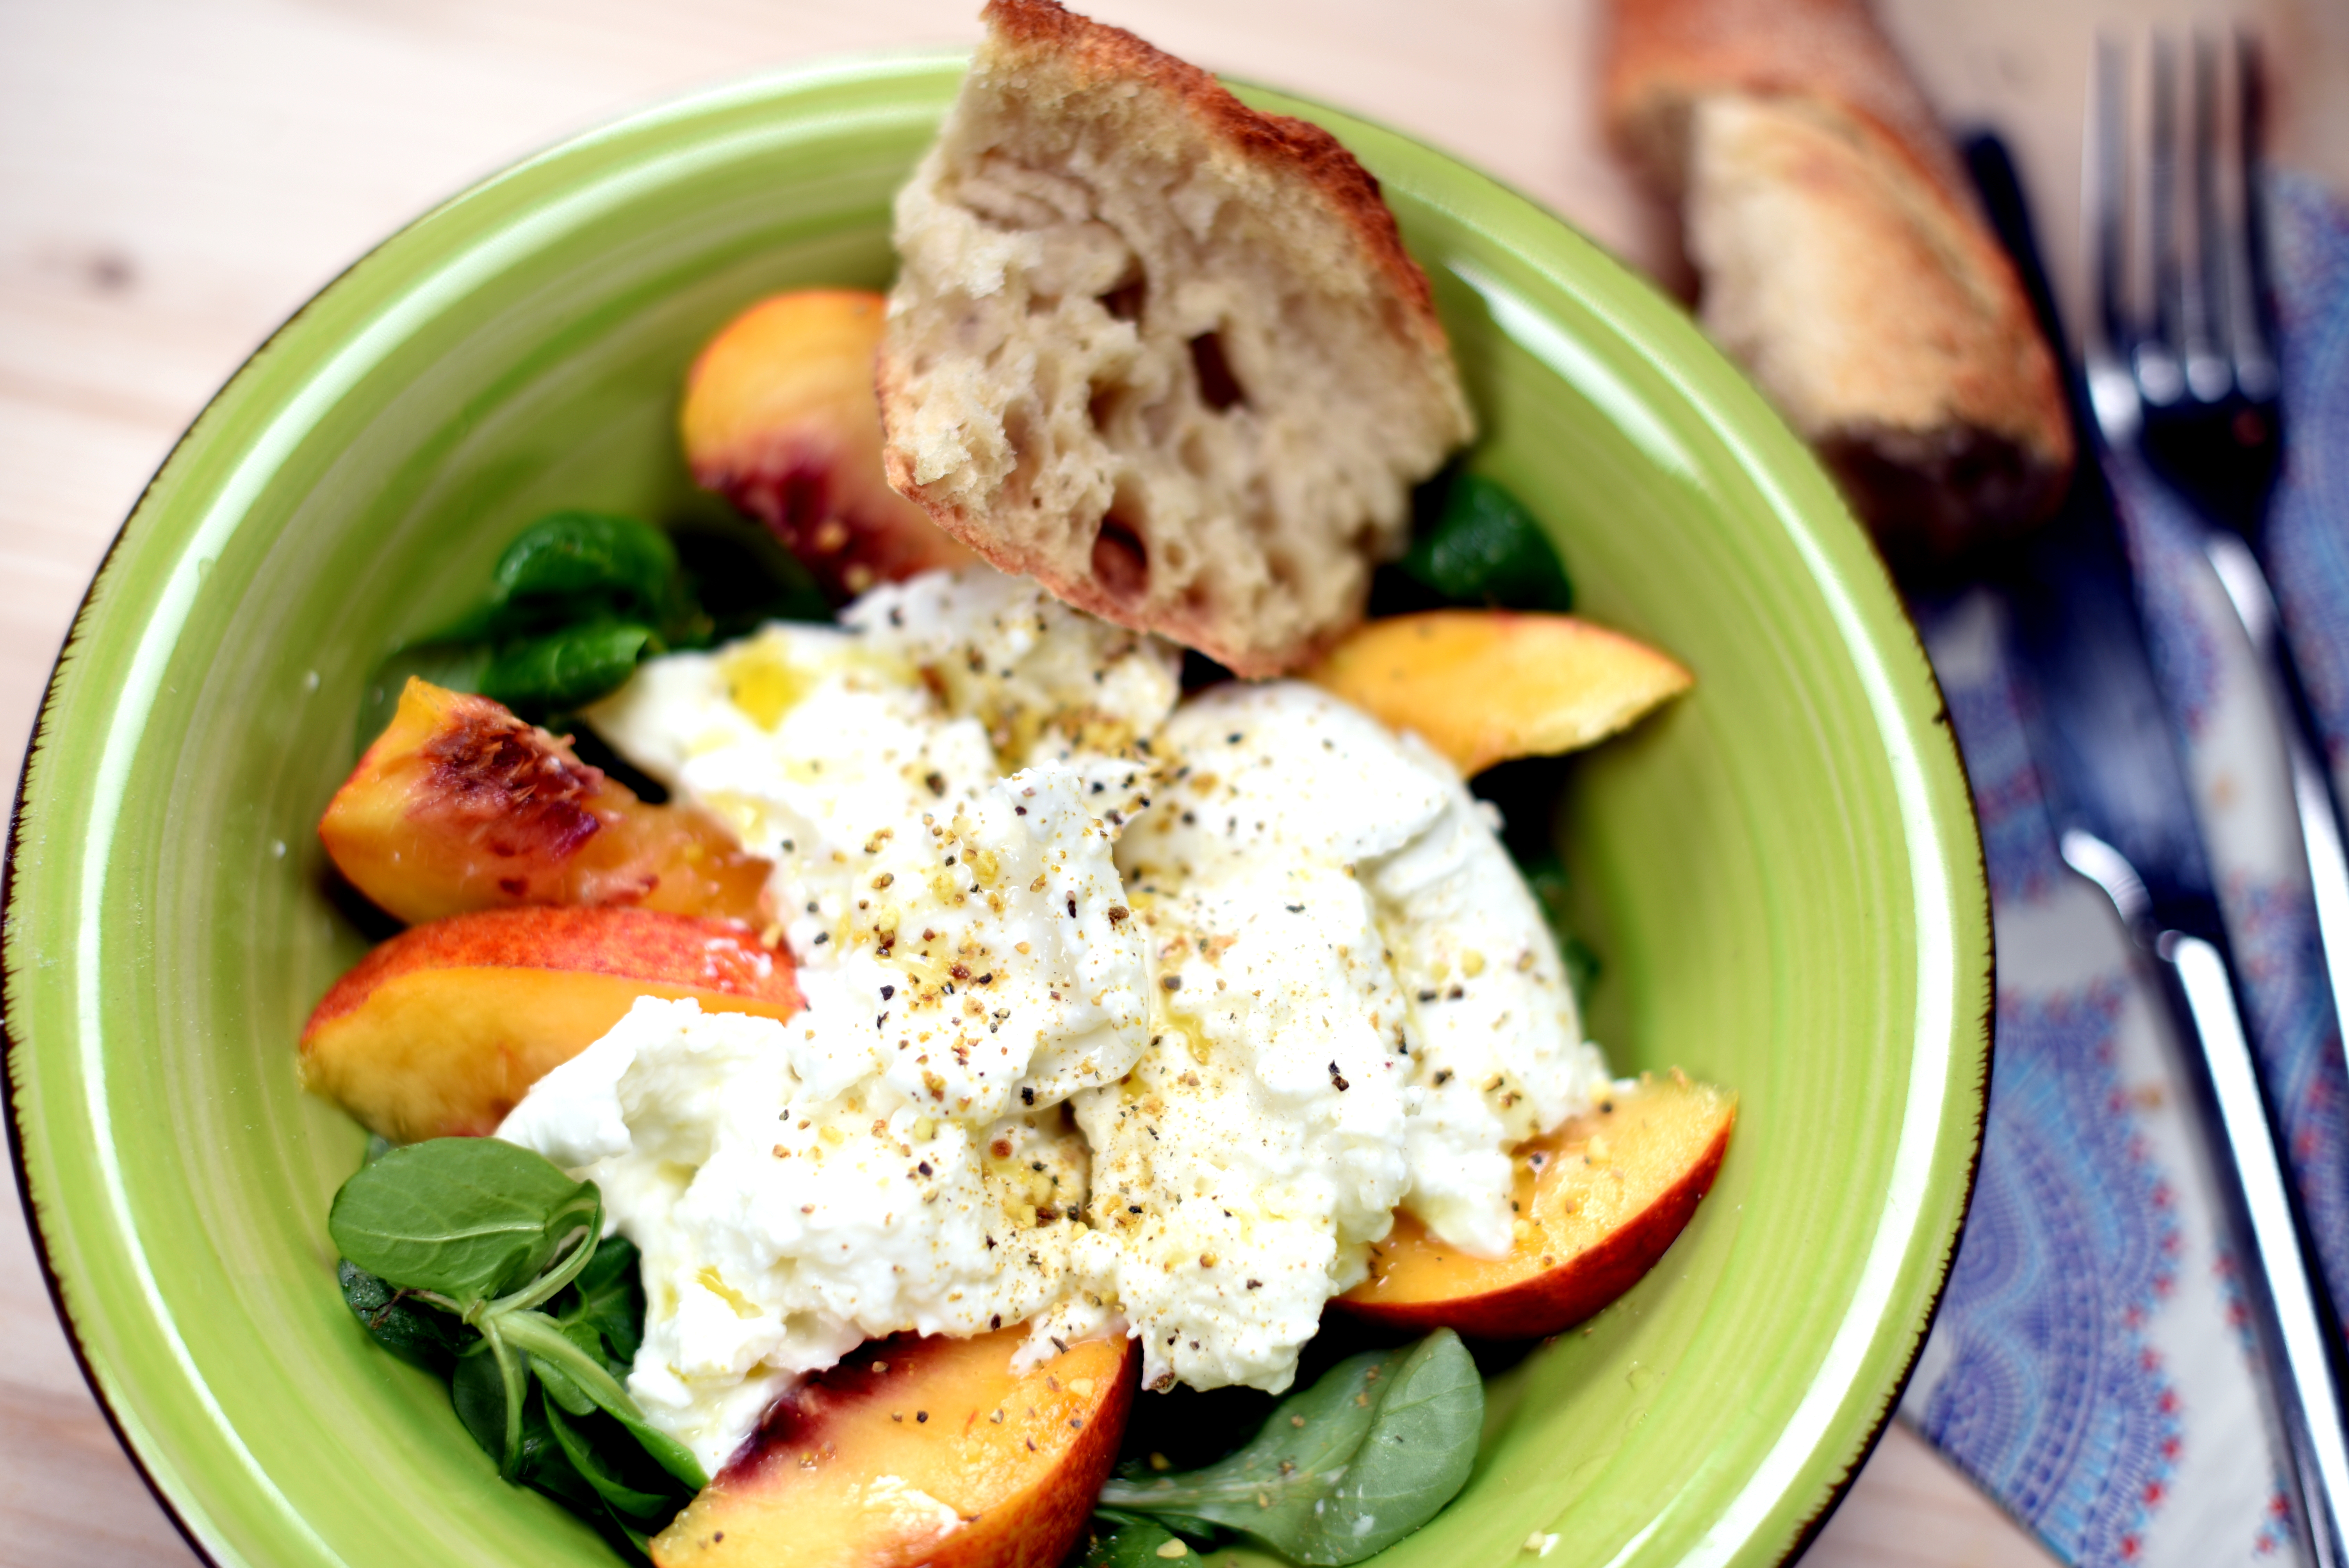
[
  {"x": 1357, "y": 1005},
  {"x": 1120, "y": 1014}
]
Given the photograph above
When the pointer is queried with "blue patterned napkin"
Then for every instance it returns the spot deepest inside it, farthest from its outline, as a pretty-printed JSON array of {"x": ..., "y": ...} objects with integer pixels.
[{"x": 2091, "y": 1364}]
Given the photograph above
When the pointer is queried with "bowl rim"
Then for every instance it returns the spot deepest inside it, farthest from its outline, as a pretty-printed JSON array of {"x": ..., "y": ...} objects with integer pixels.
[{"x": 849, "y": 68}]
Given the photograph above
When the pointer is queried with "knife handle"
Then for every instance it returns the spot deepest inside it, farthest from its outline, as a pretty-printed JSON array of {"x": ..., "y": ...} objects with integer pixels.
[
  {"x": 2293, "y": 1334},
  {"x": 2313, "y": 797}
]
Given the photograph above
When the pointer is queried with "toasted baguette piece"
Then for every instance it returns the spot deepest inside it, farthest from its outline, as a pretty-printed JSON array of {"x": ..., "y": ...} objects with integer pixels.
[
  {"x": 1160, "y": 351},
  {"x": 1843, "y": 260},
  {"x": 1662, "y": 55}
]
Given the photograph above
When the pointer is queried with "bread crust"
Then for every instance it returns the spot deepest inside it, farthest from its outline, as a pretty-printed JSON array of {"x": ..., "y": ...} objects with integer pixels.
[
  {"x": 1661, "y": 55},
  {"x": 1954, "y": 429},
  {"x": 1242, "y": 555},
  {"x": 1111, "y": 54}
]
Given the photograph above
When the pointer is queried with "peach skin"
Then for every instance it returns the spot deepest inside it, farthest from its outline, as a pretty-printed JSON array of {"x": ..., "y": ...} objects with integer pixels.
[
  {"x": 461, "y": 805},
  {"x": 779, "y": 418},
  {"x": 1486, "y": 686},
  {"x": 919, "y": 1451},
  {"x": 439, "y": 1031},
  {"x": 1599, "y": 1201}
]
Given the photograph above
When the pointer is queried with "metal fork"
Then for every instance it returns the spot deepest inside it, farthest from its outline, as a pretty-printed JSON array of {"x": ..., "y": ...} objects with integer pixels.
[
  {"x": 2192, "y": 394},
  {"x": 2212, "y": 421},
  {"x": 2193, "y": 391}
]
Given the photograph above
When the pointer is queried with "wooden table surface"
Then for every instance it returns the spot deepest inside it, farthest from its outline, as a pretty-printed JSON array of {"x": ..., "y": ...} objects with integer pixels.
[{"x": 176, "y": 179}]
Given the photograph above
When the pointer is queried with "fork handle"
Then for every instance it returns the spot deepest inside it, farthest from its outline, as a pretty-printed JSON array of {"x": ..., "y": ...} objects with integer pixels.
[{"x": 2294, "y": 1330}]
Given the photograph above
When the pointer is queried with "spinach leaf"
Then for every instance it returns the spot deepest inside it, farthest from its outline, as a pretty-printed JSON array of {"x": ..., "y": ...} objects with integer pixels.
[
  {"x": 1344, "y": 1469},
  {"x": 743, "y": 578},
  {"x": 1130, "y": 1542},
  {"x": 417, "y": 1333},
  {"x": 478, "y": 1392},
  {"x": 545, "y": 1342},
  {"x": 567, "y": 668},
  {"x": 592, "y": 1468},
  {"x": 571, "y": 555},
  {"x": 468, "y": 1239},
  {"x": 579, "y": 598},
  {"x": 1553, "y": 889},
  {"x": 478, "y": 1389},
  {"x": 1583, "y": 966},
  {"x": 609, "y": 1298},
  {"x": 562, "y": 1388},
  {"x": 466, "y": 1218},
  {"x": 1487, "y": 549},
  {"x": 570, "y": 569}
]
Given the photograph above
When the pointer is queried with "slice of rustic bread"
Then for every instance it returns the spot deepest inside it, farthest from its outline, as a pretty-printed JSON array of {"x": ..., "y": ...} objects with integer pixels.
[{"x": 1160, "y": 352}]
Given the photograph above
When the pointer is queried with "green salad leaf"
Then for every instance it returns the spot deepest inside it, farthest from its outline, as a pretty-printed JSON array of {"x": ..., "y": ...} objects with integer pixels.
[
  {"x": 486, "y": 1261},
  {"x": 416, "y": 1333},
  {"x": 1342, "y": 1470},
  {"x": 743, "y": 577},
  {"x": 1130, "y": 1541},
  {"x": 569, "y": 556},
  {"x": 551, "y": 1349},
  {"x": 592, "y": 1466},
  {"x": 467, "y": 1218},
  {"x": 1487, "y": 549},
  {"x": 567, "y": 668},
  {"x": 562, "y": 1388},
  {"x": 608, "y": 1297},
  {"x": 478, "y": 1392},
  {"x": 578, "y": 599}
]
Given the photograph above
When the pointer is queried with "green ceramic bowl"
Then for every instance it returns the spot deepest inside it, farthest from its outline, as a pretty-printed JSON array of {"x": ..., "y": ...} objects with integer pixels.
[{"x": 1780, "y": 871}]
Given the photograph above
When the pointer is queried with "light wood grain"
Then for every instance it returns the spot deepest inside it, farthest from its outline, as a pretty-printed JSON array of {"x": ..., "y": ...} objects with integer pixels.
[{"x": 175, "y": 180}]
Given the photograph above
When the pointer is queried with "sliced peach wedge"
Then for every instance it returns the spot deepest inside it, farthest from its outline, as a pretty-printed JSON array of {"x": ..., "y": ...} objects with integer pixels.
[
  {"x": 919, "y": 1451},
  {"x": 1601, "y": 1198},
  {"x": 439, "y": 1032},
  {"x": 1486, "y": 686},
  {"x": 780, "y": 417},
  {"x": 461, "y": 805}
]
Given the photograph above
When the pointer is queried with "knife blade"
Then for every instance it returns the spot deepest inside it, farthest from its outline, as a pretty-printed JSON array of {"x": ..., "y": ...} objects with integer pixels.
[{"x": 2109, "y": 754}]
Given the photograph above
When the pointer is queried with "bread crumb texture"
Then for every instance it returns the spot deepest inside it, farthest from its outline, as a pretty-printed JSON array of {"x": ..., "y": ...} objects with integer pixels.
[{"x": 1159, "y": 351}]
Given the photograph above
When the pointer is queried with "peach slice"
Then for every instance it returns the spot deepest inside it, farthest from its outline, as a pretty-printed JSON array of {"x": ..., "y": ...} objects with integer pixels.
[
  {"x": 461, "y": 805},
  {"x": 1485, "y": 686},
  {"x": 1600, "y": 1199},
  {"x": 439, "y": 1031},
  {"x": 919, "y": 1451},
  {"x": 781, "y": 419}
]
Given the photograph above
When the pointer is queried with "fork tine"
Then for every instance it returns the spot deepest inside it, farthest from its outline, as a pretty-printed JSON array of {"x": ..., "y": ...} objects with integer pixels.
[
  {"x": 2104, "y": 205},
  {"x": 2254, "y": 360},
  {"x": 2159, "y": 377},
  {"x": 2105, "y": 180},
  {"x": 2203, "y": 285}
]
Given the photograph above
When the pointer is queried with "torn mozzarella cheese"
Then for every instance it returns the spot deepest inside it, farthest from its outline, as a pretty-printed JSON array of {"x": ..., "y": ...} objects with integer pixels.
[
  {"x": 1332, "y": 1036},
  {"x": 1231, "y": 981},
  {"x": 780, "y": 1228}
]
